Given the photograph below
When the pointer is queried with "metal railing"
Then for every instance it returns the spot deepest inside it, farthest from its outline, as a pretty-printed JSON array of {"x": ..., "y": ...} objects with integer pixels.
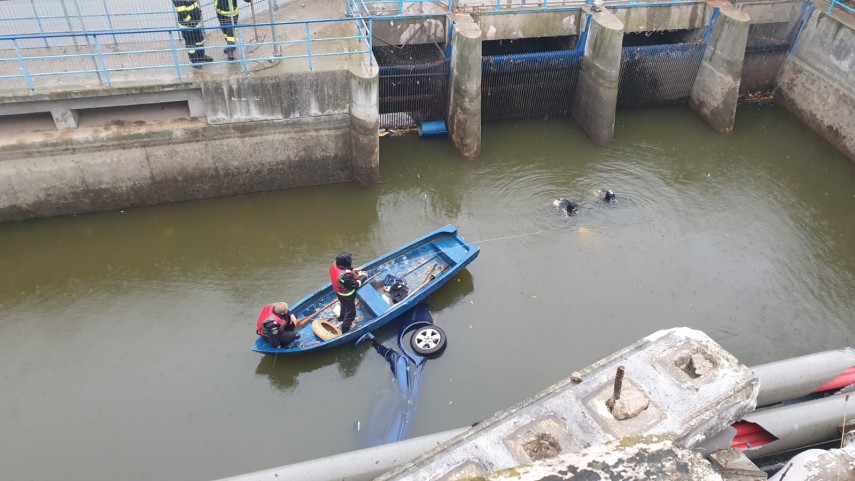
[
  {"x": 841, "y": 5},
  {"x": 75, "y": 16},
  {"x": 162, "y": 56}
]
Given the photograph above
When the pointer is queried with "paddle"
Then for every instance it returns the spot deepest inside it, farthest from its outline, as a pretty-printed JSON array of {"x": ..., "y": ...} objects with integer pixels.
[
  {"x": 430, "y": 277},
  {"x": 302, "y": 322}
]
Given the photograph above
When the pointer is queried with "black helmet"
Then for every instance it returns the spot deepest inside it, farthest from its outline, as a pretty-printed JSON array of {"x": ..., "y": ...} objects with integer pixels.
[{"x": 344, "y": 260}]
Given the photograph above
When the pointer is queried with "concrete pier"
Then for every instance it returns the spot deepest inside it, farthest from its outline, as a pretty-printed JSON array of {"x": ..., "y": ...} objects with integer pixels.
[
  {"x": 595, "y": 99},
  {"x": 464, "y": 110},
  {"x": 716, "y": 89},
  {"x": 817, "y": 83},
  {"x": 364, "y": 124}
]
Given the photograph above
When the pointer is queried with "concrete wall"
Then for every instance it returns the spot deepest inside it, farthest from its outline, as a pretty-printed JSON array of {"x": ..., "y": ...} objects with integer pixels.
[
  {"x": 529, "y": 25},
  {"x": 409, "y": 31},
  {"x": 255, "y": 134},
  {"x": 651, "y": 19},
  {"x": 817, "y": 84}
]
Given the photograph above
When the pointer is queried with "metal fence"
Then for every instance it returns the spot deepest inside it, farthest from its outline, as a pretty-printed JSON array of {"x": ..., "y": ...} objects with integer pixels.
[
  {"x": 110, "y": 57},
  {"x": 437, "y": 7},
  {"x": 81, "y": 16}
]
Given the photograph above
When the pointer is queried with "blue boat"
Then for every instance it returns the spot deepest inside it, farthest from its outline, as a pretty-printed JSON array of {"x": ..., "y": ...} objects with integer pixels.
[{"x": 425, "y": 264}]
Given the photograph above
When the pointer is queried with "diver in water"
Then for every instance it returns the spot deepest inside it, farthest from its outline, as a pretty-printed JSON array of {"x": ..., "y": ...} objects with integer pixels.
[
  {"x": 569, "y": 207},
  {"x": 608, "y": 196}
]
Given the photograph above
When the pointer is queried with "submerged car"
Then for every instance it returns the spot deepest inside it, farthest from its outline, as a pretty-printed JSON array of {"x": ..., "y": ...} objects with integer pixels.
[{"x": 418, "y": 340}]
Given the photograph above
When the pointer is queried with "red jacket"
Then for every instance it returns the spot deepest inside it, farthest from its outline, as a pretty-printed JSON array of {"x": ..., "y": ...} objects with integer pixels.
[
  {"x": 345, "y": 281},
  {"x": 268, "y": 315}
]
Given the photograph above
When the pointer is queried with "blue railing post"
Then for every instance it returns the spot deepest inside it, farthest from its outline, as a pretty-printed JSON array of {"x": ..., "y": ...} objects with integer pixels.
[
  {"x": 38, "y": 21},
  {"x": 24, "y": 68},
  {"x": 102, "y": 60},
  {"x": 450, "y": 6},
  {"x": 110, "y": 20},
  {"x": 309, "y": 44},
  {"x": 175, "y": 54},
  {"x": 497, "y": 5},
  {"x": 371, "y": 41},
  {"x": 831, "y": 6},
  {"x": 400, "y": 7}
]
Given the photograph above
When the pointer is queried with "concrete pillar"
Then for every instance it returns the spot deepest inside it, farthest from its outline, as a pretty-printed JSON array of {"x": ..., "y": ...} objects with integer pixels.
[
  {"x": 464, "y": 109},
  {"x": 595, "y": 99},
  {"x": 716, "y": 87},
  {"x": 64, "y": 118},
  {"x": 365, "y": 123}
]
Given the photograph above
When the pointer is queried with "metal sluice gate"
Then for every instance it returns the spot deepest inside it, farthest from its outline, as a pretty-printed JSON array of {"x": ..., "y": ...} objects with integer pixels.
[{"x": 413, "y": 84}]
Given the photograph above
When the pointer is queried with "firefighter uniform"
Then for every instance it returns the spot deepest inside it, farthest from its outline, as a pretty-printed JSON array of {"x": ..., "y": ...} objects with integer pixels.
[
  {"x": 189, "y": 17},
  {"x": 227, "y": 14}
]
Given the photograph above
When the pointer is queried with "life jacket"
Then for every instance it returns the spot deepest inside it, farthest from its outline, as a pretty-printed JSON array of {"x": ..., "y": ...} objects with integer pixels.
[
  {"x": 267, "y": 316},
  {"x": 336, "y": 273}
]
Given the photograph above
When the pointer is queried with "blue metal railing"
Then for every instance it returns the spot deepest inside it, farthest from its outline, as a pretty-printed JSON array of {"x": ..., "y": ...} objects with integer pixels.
[
  {"x": 164, "y": 51},
  {"x": 70, "y": 16},
  {"x": 839, "y": 4}
]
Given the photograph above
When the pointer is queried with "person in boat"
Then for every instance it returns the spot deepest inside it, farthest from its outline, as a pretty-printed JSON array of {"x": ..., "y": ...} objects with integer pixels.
[
  {"x": 278, "y": 328},
  {"x": 345, "y": 281}
]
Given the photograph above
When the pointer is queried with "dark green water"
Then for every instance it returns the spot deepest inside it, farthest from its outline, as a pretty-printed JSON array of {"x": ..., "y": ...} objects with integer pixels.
[{"x": 125, "y": 336}]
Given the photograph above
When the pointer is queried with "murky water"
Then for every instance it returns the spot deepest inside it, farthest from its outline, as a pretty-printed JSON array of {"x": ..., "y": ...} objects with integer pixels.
[{"x": 125, "y": 337}]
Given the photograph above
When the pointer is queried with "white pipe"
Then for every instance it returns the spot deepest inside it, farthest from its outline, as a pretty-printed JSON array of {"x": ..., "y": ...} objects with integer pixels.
[{"x": 364, "y": 464}]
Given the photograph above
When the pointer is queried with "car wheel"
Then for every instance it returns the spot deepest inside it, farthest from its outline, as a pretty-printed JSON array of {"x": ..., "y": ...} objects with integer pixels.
[{"x": 428, "y": 341}]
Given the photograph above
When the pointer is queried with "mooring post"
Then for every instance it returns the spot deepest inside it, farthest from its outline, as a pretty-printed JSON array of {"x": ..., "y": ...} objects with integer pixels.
[
  {"x": 617, "y": 389},
  {"x": 595, "y": 98},
  {"x": 716, "y": 87},
  {"x": 464, "y": 102}
]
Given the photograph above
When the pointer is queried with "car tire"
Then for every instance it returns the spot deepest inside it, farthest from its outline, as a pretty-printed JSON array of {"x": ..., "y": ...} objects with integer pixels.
[{"x": 428, "y": 341}]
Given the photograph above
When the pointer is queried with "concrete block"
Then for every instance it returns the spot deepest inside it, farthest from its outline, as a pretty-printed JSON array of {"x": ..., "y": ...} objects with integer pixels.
[
  {"x": 716, "y": 88},
  {"x": 64, "y": 118},
  {"x": 629, "y": 460},
  {"x": 464, "y": 111},
  {"x": 689, "y": 401}
]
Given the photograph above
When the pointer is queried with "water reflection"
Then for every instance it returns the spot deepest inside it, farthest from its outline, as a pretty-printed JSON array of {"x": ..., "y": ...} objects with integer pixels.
[{"x": 283, "y": 372}]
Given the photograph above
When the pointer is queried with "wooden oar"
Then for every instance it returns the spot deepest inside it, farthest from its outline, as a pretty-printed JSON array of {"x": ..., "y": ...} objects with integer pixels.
[
  {"x": 429, "y": 278},
  {"x": 302, "y": 322}
]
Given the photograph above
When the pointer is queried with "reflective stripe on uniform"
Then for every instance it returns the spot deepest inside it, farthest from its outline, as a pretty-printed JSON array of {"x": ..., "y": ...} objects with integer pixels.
[
  {"x": 187, "y": 8},
  {"x": 228, "y": 13}
]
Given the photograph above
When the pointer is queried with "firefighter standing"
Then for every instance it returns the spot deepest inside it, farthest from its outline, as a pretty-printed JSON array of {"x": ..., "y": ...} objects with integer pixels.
[
  {"x": 189, "y": 17},
  {"x": 227, "y": 14}
]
